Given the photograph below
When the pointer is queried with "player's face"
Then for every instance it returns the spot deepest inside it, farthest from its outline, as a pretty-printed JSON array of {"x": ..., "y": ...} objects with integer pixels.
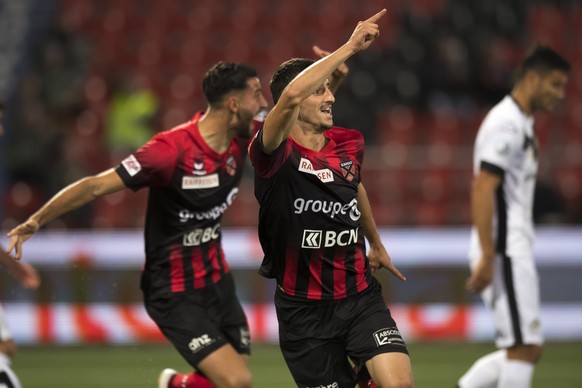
[
  {"x": 251, "y": 103},
  {"x": 550, "y": 90},
  {"x": 317, "y": 108}
]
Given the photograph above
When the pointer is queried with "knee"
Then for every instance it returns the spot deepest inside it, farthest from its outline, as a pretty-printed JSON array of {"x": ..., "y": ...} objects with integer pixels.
[
  {"x": 241, "y": 380},
  {"x": 528, "y": 353}
]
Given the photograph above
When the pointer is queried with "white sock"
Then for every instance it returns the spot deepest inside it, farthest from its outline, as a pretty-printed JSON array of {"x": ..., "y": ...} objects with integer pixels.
[
  {"x": 7, "y": 376},
  {"x": 516, "y": 374},
  {"x": 484, "y": 373}
]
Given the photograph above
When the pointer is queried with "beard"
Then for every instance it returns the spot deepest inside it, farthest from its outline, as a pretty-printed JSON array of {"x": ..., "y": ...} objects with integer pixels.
[{"x": 244, "y": 130}]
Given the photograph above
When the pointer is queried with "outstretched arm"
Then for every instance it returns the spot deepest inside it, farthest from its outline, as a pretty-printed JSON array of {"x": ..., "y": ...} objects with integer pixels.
[
  {"x": 337, "y": 77},
  {"x": 377, "y": 254},
  {"x": 69, "y": 198},
  {"x": 281, "y": 118}
]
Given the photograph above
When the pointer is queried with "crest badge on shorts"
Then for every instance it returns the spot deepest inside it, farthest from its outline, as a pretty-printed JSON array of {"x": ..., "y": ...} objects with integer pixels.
[{"x": 348, "y": 170}]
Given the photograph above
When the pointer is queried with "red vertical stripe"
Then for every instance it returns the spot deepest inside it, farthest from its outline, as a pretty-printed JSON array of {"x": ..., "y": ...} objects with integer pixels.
[
  {"x": 198, "y": 268},
  {"x": 177, "y": 270},
  {"x": 213, "y": 256},
  {"x": 45, "y": 322},
  {"x": 290, "y": 276},
  {"x": 360, "y": 265},
  {"x": 89, "y": 330},
  {"x": 314, "y": 291},
  {"x": 339, "y": 276}
]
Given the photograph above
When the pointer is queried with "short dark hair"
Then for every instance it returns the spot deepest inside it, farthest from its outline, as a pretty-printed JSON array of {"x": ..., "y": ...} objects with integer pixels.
[
  {"x": 225, "y": 77},
  {"x": 542, "y": 59},
  {"x": 285, "y": 73}
]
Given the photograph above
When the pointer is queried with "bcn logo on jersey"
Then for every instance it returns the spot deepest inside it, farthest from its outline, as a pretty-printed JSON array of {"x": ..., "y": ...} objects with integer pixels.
[
  {"x": 315, "y": 239},
  {"x": 201, "y": 236},
  {"x": 199, "y": 342},
  {"x": 328, "y": 207},
  {"x": 325, "y": 175},
  {"x": 388, "y": 336}
]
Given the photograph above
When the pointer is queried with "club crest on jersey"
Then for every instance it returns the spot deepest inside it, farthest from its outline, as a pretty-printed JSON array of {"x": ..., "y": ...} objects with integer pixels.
[
  {"x": 348, "y": 170},
  {"x": 231, "y": 165},
  {"x": 325, "y": 175},
  {"x": 198, "y": 168}
]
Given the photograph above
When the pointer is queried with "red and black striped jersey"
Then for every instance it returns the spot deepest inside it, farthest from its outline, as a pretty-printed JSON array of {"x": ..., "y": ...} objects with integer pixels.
[
  {"x": 309, "y": 220},
  {"x": 190, "y": 187}
]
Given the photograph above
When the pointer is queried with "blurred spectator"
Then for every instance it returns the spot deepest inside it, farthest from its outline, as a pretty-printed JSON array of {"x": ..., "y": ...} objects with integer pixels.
[{"x": 132, "y": 109}]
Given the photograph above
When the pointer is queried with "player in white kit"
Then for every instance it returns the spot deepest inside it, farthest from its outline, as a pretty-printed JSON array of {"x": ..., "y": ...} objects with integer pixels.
[{"x": 503, "y": 270}]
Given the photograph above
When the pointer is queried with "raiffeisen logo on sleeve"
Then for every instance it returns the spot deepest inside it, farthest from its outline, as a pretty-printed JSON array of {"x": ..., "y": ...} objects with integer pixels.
[
  {"x": 325, "y": 175},
  {"x": 131, "y": 165}
]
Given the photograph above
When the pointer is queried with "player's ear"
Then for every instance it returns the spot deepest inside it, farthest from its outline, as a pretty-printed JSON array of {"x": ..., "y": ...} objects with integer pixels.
[{"x": 232, "y": 104}]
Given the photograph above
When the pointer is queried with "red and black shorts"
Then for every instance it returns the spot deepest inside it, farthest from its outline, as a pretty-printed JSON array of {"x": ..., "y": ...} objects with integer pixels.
[
  {"x": 318, "y": 338},
  {"x": 200, "y": 322}
]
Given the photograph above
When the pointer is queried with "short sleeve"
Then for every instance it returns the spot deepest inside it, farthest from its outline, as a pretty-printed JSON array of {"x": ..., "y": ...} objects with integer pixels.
[
  {"x": 152, "y": 165},
  {"x": 498, "y": 146},
  {"x": 267, "y": 164}
]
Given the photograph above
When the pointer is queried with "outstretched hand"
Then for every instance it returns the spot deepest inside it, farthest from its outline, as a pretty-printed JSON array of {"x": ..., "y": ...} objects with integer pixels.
[
  {"x": 366, "y": 32},
  {"x": 379, "y": 258},
  {"x": 19, "y": 235}
]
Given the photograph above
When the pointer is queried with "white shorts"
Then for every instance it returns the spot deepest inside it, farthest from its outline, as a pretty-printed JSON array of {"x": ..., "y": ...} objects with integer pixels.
[
  {"x": 513, "y": 299},
  {"x": 4, "y": 330}
]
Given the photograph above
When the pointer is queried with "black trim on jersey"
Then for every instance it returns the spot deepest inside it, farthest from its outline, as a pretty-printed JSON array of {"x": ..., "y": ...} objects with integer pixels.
[
  {"x": 501, "y": 220},
  {"x": 188, "y": 269},
  {"x": 327, "y": 275},
  {"x": 511, "y": 299},
  {"x": 490, "y": 167},
  {"x": 530, "y": 142},
  {"x": 350, "y": 263},
  {"x": 207, "y": 263},
  {"x": 5, "y": 380}
]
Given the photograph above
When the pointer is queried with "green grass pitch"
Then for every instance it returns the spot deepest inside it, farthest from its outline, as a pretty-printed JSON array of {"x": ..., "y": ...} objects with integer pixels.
[{"x": 435, "y": 365}]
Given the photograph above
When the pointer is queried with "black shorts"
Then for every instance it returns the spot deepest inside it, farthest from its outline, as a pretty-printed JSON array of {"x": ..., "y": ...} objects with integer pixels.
[
  {"x": 198, "y": 323},
  {"x": 318, "y": 338}
]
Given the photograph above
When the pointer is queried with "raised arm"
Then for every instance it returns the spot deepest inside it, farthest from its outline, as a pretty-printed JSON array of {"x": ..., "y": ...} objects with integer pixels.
[
  {"x": 377, "y": 254},
  {"x": 281, "y": 118},
  {"x": 339, "y": 74},
  {"x": 71, "y": 197}
]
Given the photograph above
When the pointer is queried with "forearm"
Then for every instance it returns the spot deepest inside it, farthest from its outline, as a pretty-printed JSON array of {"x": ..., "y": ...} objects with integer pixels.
[
  {"x": 78, "y": 194},
  {"x": 482, "y": 204},
  {"x": 309, "y": 80},
  {"x": 367, "y": 219}
]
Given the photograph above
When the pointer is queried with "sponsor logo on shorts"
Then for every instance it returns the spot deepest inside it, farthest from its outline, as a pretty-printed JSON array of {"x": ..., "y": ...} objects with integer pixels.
[
  {"x": 335, "y": 384},
  {"x": 325, "y": 175},
  {"x": 245, "y": 337},
  {"x": 201, "y": 236},
  {"x": 199, "y": 182},
  {"x": 200, "y": 342},
  {"x": 331, "y": 208},
  {"x": 131, "y": 165},
  {"x": 388, "y": 336},
  {"x": 314, "y": 239}
]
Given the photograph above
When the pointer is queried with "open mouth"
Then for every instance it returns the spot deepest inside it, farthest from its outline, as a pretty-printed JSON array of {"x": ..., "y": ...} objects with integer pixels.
[{"x": 327, "y": 111}]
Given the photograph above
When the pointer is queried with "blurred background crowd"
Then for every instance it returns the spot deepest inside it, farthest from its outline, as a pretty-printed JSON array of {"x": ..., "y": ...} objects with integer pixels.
[{"x": 87, "y": 82}]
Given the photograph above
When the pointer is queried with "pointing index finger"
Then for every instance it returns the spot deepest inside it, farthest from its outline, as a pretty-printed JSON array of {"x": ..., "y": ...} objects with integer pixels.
[{"x": 377, "y": 16}]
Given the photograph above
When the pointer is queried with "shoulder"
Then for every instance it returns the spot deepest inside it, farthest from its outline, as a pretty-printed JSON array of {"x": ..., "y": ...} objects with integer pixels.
[
  {"x": 340, "y": 134},
  {"x": 504, "y": 118}
]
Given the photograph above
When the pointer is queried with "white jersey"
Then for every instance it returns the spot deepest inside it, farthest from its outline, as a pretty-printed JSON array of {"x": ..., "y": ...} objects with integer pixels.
[{"x": 506, "y": 145}]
